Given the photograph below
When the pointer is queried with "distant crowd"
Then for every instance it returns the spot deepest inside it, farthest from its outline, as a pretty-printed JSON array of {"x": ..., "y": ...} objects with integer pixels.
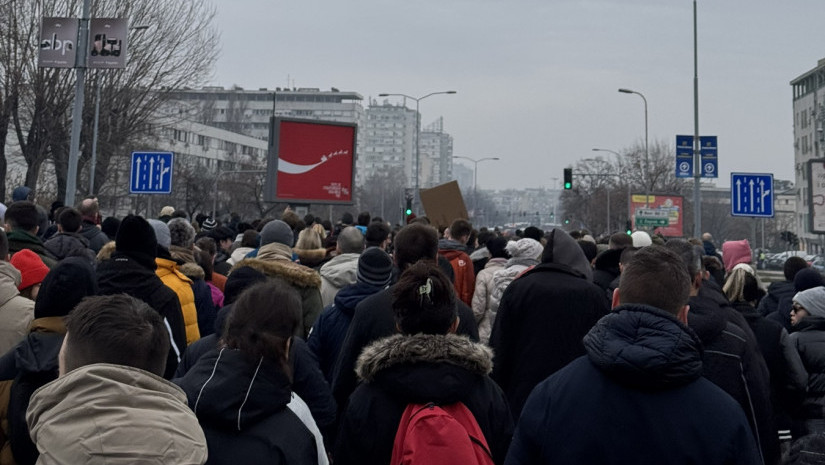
[{"x": 183, "y": 339}]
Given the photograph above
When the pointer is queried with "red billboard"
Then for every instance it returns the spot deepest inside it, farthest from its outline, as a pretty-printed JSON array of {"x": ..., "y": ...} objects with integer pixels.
[
  {"x": 310, "y": 162},
  {"x": 666, "y": 208}
]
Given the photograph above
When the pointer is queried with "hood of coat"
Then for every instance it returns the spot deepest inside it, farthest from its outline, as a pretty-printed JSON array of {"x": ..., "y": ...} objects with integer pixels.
[
  {"x": 122, "y": 274},
  {"x": 563, "y": 251},
  {"x": 9, "y": 279},
  {"x": 239, "y": 254},
  {"x": 38, "y": 352},
  {"x": 425, "y": 366},
  {"x": 450, "y": 244},
  {"x": 311, "y": 257},
  {"x": 608, "y": 261},
  {"x": 350, "y": 296},
  {"x": 227, "y": 391},
  {"x": 182, "y": 254},
  {"x": 98, "y": 411},
  {"x": 275, "y": 251},
  {"x": 192, "y": 271},
  {"x": 341, "y": 270},
  {"x": 643, "y": 347},
  {"x": 706, "y": 317},
  {"x": 291, "y": 272}
]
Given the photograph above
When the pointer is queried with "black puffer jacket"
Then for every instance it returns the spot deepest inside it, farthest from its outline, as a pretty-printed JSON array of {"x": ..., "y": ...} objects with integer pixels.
[
  {"x": 637, "y": 397},
  {"x": 70, "y": 245},
  {"x": 123, "y": 275},
  {"x": 809, "y": 340},
  {"x": 402, "y": 369},
  {"x": 542, "y": 318},
  {"x": 242, "y": 407}
]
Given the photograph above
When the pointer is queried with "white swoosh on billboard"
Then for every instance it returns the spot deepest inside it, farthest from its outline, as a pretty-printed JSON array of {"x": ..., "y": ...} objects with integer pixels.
[{"x": 291, "y": 168}]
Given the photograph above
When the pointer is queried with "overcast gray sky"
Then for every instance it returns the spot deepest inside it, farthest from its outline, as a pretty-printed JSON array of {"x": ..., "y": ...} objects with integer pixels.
[{"x": 537, "y": 80}]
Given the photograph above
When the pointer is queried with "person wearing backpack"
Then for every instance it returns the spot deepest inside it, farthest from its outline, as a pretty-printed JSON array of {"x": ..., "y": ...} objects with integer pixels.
[{"x": 426, "y": 393}]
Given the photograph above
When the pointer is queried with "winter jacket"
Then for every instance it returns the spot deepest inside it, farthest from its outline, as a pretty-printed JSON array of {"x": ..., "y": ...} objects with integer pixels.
[
  {"x": 217, "y": 302},
  {"x": 502, "y": 278},
  {"x": 542, "y": 318},
  {"x": 780, "y": 291},
  {"x": 97, "y": 238},
  {"x": 328, "y": 333},
  {"x": 637, "y": 397},
  {"x": 463, "y": 275},
  {"x": 311, "y": 257},
  {"x": 788, "y": 378},
  {"x": 732, "y": 361},
  {"x": 204, "y": 306},
  {"x": 340, "y": 271},
  {"x": 19, "y": 240},
  {"x": 483, "y": 310},
  {"x": 123, "y": 275},
  {"x": 31, "y": 364},
  {"x": 809, "y": 341},
  {"x": 374, "y": 319},
  {"x": 16, "y": 312},
  {"x": 70, "y": 245},
  {"x": 171, "y": 276},
  {"x": 402, "y": 369},
  {"x": 238, "y": 255},
  {"x": 606, "y": 270},
  {"x": 242, "y": 407},
  {"x": 276, "y": 260},
  {"x": 114, "y": 414}
]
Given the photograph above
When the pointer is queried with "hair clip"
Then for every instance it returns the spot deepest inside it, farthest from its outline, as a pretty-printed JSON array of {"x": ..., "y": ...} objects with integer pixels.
[{"x": 425, "y": 290}]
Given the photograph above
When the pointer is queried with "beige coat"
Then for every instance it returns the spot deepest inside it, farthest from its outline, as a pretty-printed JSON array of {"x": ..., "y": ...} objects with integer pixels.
[
  {"x": 483, "y": 297},
  {"x": 16, "y": 312},
  {"x": 113, "y": 414}
]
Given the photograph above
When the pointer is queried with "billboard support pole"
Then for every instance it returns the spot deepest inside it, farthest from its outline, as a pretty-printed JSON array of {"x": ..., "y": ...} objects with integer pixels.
[
  {"x": 77, "y": 111},
  {"x": 697, "y": 192}
]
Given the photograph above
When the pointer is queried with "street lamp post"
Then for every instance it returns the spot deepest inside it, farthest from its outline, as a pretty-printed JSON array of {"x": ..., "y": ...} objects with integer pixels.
[
  {"x": 647, "y": 152},
  {"x": 417, "y": 128},
  {"x": 475, "y": 177},
  {"x": 629, "y": 212}
]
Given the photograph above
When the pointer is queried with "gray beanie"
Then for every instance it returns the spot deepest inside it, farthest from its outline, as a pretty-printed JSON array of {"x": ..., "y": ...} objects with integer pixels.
[
  {"x": 182, "y": 233},
  {"x": 374, "y": 267},
  {"x": 277, "y": 231},
  {"x": 813, "y": 300},
  {"x": 161, "y": 232}
]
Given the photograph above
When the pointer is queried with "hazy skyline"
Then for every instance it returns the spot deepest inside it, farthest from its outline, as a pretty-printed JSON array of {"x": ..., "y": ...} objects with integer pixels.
[{"x": 537, "y": 81}]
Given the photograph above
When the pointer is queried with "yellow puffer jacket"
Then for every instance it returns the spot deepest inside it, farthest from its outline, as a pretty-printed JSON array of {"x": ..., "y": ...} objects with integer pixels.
[{"x": 171, "y": 276}]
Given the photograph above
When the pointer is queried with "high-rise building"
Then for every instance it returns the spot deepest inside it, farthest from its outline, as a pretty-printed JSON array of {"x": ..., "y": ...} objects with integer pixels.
[
  {"x": 387, "y": 141},
  {"x": 809, "y": 144},
  {"x": 436, "y": 154}
]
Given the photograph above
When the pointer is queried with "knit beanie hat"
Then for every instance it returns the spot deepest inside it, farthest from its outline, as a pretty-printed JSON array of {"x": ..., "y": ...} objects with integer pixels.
[
  {"x": 31, "y": 267},
  {"x": 374, "y": 267},
  {"x": 136, "y": 239},
  {"x": 238, "y": 280},
  {"x": 807, "y": 278},
  {"x": 813, "y": 300},
  {"x": 64, "y": 287},
  {"x": 277, "y": 231},
  {"x": 209, "y": 224},
  {"x": 525, "y": 248},
  {"x": 735, "y": 252},
  {"x": 109, "y": 226},
  {"x": 641, "y": 239},
  {"x": 182, "y": 233},
  {"x": 161, "y": 233}
]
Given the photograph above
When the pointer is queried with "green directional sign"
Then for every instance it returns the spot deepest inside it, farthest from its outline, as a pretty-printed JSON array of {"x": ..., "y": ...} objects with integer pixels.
[{"x": 655, "y": 222}]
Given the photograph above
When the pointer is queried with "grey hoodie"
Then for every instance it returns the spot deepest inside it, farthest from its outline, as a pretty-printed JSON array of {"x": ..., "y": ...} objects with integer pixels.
[{"x": 337, "y": 273}]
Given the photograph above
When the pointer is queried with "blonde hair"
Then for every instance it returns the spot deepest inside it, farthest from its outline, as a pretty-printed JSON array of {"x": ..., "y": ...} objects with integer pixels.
[
  {"x": 308, "y": 239},
  {"x": 735, "y": 283}
]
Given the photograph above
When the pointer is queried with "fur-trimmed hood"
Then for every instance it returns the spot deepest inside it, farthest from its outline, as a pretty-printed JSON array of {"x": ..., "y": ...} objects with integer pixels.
[
  {"x": 400, "y": 349},
  {"x": 311, "y": 257},
  {"x": 291, "y": 272},
  {"x": 192, "y": 271}
]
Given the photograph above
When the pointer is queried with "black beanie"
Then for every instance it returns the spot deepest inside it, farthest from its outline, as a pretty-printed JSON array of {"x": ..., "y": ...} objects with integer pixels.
[
  {"x": 374, "y": 267},
  {"x": 807, "y": 278},
  {"x": 64, "y": 287},
  {"x": 497, "y": 247},
  {"x": 136, "y": 239},
  {"x": 239, "y": 280}
]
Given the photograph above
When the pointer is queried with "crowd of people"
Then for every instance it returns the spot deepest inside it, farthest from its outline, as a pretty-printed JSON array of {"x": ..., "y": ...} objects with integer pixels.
[{"x": 189, "y": 340}]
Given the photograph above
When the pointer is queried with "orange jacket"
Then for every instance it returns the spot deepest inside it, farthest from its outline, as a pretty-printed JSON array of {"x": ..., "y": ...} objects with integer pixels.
[{"x": 464, "y": 280}]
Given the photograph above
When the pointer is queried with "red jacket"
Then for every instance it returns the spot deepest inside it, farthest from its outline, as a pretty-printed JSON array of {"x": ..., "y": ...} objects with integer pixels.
[{"x": 464, "y": 280}]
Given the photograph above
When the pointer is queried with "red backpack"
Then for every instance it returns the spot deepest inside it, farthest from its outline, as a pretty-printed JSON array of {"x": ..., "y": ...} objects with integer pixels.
[{"x": 439, "y": 435}]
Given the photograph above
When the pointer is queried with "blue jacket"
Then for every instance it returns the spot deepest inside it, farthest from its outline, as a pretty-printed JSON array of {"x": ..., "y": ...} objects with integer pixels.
[
  {"x": 328, "y": 332},
  {"x": 637, "y": 397}
]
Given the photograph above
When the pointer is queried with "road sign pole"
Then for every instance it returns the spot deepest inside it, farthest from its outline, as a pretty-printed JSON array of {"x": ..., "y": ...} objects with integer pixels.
[{"x": 697, "y": 193}]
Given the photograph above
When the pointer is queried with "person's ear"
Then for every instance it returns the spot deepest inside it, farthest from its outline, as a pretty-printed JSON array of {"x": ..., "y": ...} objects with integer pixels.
[
  {"x": 454, "y": 326},
  {"x": 683, "y": 314},
  {"x": 615, "y": 302}
]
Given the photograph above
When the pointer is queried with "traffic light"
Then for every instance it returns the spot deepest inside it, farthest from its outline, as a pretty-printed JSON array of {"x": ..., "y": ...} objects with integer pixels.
[
  {"x": 568, "y": 178},
  {"x": 408, "y": 209},
  {"x": 627, "y": 227},
  {"x": 567, "y": 221}
]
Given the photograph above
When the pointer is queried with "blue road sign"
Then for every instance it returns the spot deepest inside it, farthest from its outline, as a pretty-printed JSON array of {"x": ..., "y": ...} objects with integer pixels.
[
  {"x": 151, "y": 173},
  {"x": 751, "y": 194},
  {"x": 708, "y": 152},
  {"x": 684, "y": 156}
]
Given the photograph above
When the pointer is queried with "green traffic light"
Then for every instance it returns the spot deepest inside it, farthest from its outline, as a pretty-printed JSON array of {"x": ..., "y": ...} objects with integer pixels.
[
  {"x": 408, "y": 212},
  {"x": 568, "y": 185}
]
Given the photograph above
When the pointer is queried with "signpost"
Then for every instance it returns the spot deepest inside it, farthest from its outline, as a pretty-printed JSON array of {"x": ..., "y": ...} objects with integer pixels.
[
  {"x": 684, "y": 156},
  {"x": 751, "y": 194},
  {"x": 151, "y": 173},
  {"x": 709, "y": 154},
  {"x": 651, "y": 217},
  {"x": 709, "y": 167}
]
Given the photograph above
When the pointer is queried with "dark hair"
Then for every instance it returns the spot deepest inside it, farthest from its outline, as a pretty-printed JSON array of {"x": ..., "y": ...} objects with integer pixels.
[
  {"x": 207, "y": 244},
  {"x": 424, "y": 300},
  {"x": 221, "y": 233},
  {"x": 460, "y": 228},
  {"x": 485, "y": 235},
  {"x": 116, "y": 329},
  {"x": 414, "y": 242},
  {"x": 364, "y": 219},
  {"x": 262, "y": 320},
  {"x": 533, "y": 233},
  {"x": 655, "y": 276},
  {"x": 792, "y": 266},
  {"x": 180, "y": 214},
  {"x": 204, "y": 260},
  {"x": 628, "y": 253},
  {"x": 249, "y": 238},
  {"x": 69, "y": 219},
  {"x": 309, "y": 219},
  {"x": 751, "y": 291},
  {"x": 346, "y": 218},
  {"x": 23, "y": 215},
  {"x": 691, "y": 255},
  {"x": 620, "y": 240},
  {"x": 590, "y": 249},
  {"x": 497, "y": 246},
  {"x": 377, "y": 233},
  {"x": 4, "y": 246}
]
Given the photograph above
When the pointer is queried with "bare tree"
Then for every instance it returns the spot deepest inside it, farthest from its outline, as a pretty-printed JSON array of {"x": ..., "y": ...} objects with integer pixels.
[{"x": 382, "y": 194}]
